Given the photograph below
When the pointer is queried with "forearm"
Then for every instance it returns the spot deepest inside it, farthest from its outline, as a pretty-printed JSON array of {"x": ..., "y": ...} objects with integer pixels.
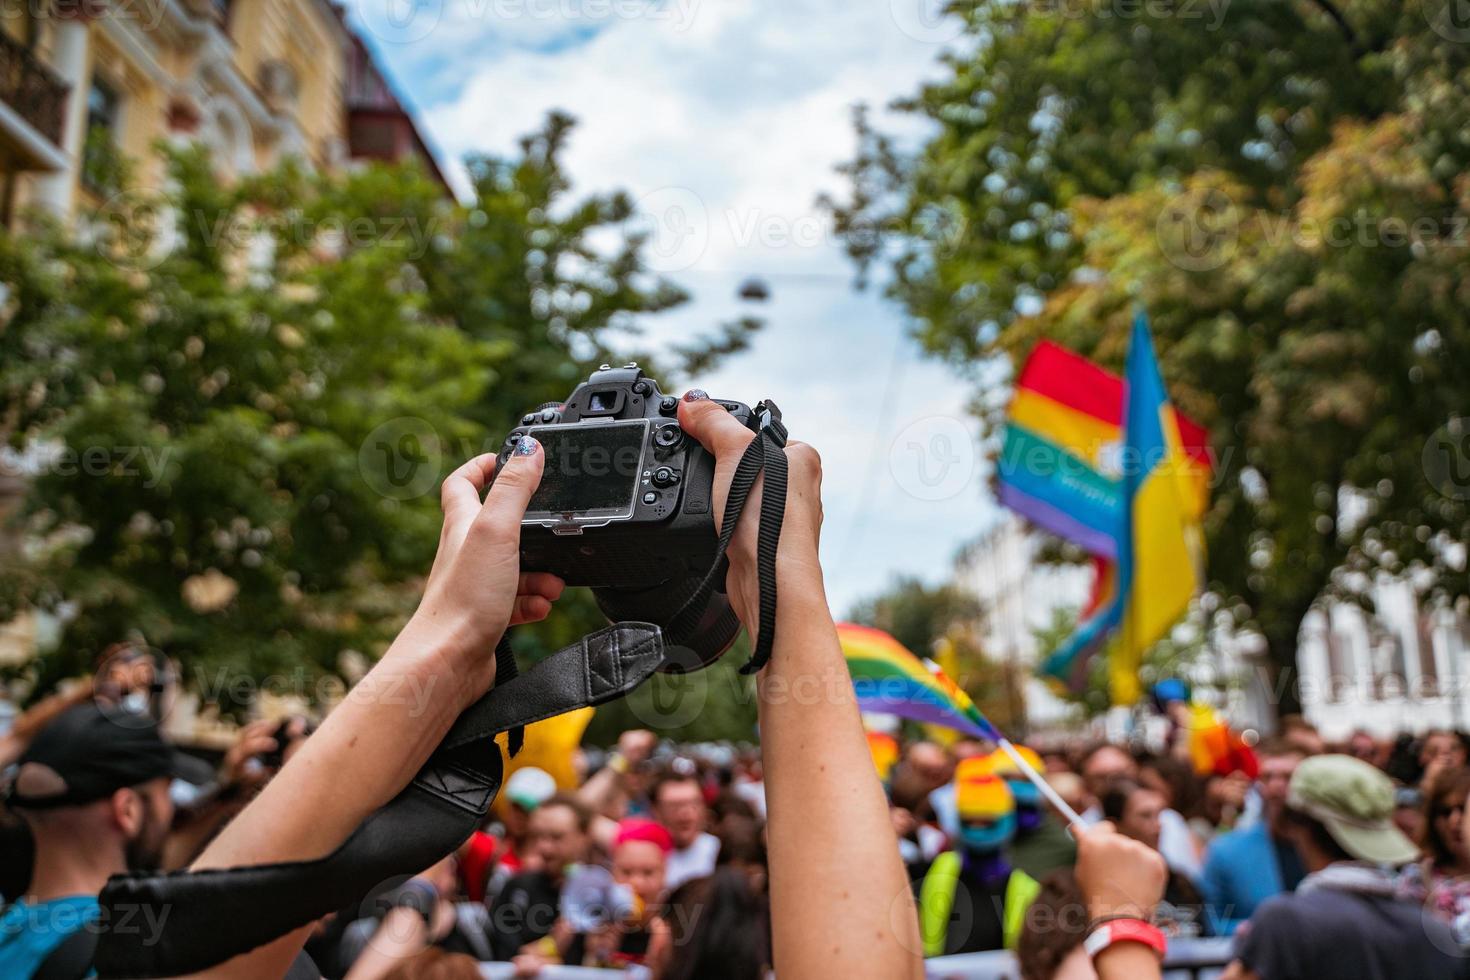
[
  {"x": 365, "y": 752},
  {"x": 841, "y": 901}
]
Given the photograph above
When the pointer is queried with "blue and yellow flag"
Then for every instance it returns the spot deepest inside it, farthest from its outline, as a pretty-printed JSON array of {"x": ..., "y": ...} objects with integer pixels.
[{"x": 1155, "y": 572}]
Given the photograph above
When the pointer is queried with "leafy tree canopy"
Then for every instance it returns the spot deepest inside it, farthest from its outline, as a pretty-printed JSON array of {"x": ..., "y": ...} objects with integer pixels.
[
  {"x": 1283, "y": 186},
  {"x": 234, "y": 403}
]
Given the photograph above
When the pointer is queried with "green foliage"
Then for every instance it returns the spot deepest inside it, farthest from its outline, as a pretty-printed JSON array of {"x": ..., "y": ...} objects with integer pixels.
[
  {"x": 238, "y": 400},
  {"x": 1283, "y": 189}
]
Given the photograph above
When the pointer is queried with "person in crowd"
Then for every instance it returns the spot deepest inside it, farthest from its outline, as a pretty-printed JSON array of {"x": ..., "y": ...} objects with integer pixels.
[
  {"x": 1041, "y": 844},
  {"x": 488, "y": 859},
  {"x": 1303, "y": 734},
  {"x": 1362, "y": 745},
  {"x": 743, "y": 848},
  {"x": 94, "y": 793},
  {"x": 1246, "y": 866},
  {"x": 1100, "y": 765},
  {"x": 1408, "y": 811},
  {"x": 927, "y": 765},
  {"x": 1070, "y": 787},
  {"x": 1222, "y": 806},
  {"x": 1136, "y": 810},
  {"x": 1439, "y": 752},
  {"x": 1441, "y": 879},
  {"x": 720, "y": 929},
  {"x": 529, "y": 904},
  {"x": 611, "y": 791},
  {"x": 375, "y": 944},
  {"x": 678, "y": 804},
  {"x": 1345, "y": 920},
  {"x": 639, "y": 863},
  {"x": 996, "y": 893},
  {"x": 1050, "y": 945}
]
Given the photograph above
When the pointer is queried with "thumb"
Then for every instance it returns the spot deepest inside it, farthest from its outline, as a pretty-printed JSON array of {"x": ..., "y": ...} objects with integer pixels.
[
  {"x": 709, "y": 422},
  {"x": 514, "y": 484}
]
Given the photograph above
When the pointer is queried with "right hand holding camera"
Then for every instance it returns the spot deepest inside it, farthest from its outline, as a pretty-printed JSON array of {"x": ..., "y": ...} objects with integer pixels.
[{"x": 798, "y": 570}]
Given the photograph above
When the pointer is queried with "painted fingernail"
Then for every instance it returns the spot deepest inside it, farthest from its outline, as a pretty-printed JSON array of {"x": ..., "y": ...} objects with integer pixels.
[
  {"x": 526, "y": 446},
  {"x": 695, "y": 394}
]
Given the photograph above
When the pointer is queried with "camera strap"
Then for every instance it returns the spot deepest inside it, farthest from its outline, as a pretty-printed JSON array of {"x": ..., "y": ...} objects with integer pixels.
[
  {"x": 206, "y": 917},
  {"x": 766, "y": 454}
]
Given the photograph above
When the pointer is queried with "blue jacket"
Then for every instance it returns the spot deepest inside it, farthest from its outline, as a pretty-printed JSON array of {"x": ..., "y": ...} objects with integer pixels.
[{"x": 1240, "y": 873}]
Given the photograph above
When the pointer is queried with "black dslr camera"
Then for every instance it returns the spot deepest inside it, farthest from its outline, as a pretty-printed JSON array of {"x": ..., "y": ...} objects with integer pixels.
[{"x": 626, "y": 506}]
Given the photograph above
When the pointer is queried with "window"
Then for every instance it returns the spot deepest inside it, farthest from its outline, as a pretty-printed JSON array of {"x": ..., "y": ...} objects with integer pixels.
[{"x": 101, "y": 161}]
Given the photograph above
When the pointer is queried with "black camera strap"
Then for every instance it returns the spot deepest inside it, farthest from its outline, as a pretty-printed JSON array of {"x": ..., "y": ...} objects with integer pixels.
[
  {"x": 206, "y": 917},
  {"x": 766, "y": 454}
]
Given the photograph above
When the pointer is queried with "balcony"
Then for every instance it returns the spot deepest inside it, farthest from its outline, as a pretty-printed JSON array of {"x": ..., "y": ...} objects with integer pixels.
[{"x": 32, "y": 109}]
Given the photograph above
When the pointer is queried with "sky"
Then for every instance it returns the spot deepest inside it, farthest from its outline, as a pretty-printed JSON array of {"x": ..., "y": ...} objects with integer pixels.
[{"x": 724, "y": 119}]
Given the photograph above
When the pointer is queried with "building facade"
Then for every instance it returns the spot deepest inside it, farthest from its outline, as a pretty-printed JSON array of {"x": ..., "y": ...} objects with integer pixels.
[{"x": 89, "y": 88}]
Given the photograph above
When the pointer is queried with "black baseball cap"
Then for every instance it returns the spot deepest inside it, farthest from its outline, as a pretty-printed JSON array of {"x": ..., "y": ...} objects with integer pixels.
[{"x": 85, "y": 754}]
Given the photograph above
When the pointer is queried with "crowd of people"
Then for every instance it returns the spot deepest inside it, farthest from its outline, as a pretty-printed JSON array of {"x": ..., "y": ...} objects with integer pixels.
[
  {"x": 1307, "y": 854},
  {"x": 802, "y": 857}
]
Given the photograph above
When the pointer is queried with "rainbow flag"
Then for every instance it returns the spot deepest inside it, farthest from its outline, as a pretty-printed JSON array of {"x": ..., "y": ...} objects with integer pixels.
[
  {"x": 891, "y": 680},
  {"x": 1059, "y": 462},
  {"x": 1155, "y": 571}
]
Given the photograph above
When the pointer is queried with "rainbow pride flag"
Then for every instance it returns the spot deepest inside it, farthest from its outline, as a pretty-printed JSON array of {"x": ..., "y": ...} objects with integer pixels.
[
  {"x": 1059, "y": 462},
  {"x": 889, "y": 679},
  {"x": 1154, "y": 571}
]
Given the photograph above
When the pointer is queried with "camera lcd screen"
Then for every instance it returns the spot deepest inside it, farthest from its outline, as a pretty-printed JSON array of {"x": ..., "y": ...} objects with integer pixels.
[{"x": 591, "y": 470}]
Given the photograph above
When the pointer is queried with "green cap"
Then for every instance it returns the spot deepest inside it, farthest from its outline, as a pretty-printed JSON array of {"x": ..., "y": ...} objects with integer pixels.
[{"x": 1354, "y": 801}]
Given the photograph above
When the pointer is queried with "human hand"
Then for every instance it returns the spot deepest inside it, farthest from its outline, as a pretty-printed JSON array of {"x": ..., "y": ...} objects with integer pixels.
[
  {"x": 720, "y": 433},
  {"x": 636, "y": 745},
  {"x": 476, "y": 588},
  {"x": 1117, "y": 875},
  {"x": 241, "y": 768}
]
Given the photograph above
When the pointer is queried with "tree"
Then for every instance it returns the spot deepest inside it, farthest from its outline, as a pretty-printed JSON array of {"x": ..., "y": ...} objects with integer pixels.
[
  {"x": 237, "y": 401},
  {"x": 1283, "y": 189}
]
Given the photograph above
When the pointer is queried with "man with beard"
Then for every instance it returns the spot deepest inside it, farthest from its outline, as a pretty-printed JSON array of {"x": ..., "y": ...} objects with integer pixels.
[{"x": 93, "y": 786}]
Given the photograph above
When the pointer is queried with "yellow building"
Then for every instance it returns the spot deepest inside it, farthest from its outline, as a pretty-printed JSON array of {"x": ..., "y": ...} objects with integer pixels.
[{"x": 85, "y": 84}]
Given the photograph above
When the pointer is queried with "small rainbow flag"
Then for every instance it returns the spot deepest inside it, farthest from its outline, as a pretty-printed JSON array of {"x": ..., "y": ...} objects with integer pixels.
[{"x": 891, "y": 680}]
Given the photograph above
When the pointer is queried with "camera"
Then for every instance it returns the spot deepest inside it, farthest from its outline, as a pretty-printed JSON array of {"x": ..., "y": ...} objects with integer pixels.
[{"x": 626, "y": 506}]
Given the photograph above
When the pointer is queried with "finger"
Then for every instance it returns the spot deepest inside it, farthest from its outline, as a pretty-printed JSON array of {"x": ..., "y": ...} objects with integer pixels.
[
  {"x": 530, "y": 609},
  {"x": 715, "y": 428},
  {"x": 460, "y": 493},
  {"x": 542, "y": 584},
  {"x": 506, "y": 502},
  {"x": 257, "y": 746}
]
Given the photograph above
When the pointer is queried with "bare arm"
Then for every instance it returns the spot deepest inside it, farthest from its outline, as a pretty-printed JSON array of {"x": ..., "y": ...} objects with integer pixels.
[
  {"x": 369, "y": 748},
  {"x": 841, "y": 905}
]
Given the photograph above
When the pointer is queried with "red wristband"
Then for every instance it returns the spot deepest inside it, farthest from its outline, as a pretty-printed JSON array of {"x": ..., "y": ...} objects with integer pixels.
[{"x": 1125, "y": 931}]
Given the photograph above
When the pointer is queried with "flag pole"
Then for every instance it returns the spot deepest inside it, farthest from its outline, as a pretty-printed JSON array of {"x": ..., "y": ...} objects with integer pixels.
[{"x": 1065, "y": 809}]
